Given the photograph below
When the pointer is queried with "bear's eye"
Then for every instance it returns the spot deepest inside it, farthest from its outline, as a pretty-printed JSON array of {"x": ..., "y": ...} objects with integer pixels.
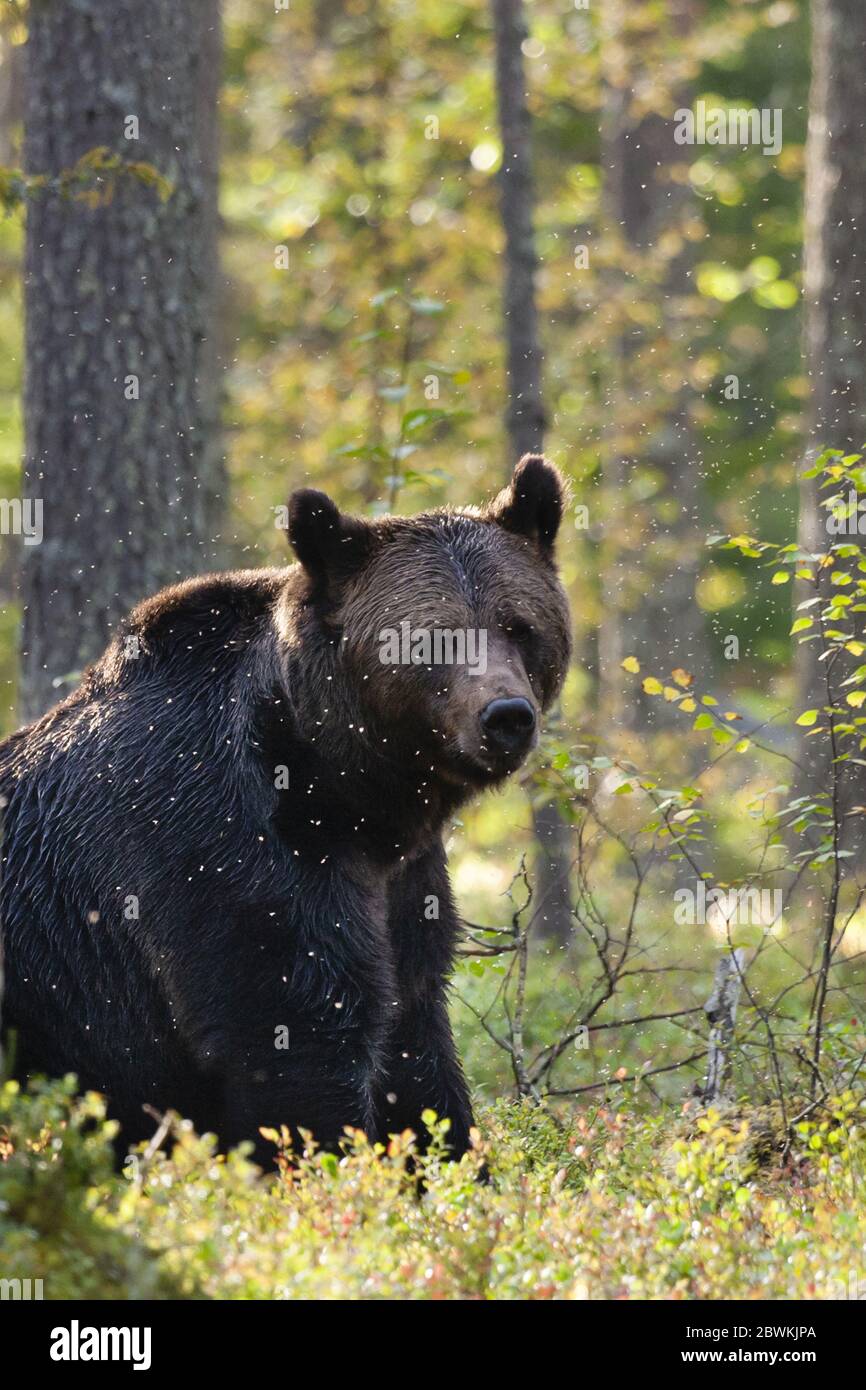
[{"x": 519, "y": 630}]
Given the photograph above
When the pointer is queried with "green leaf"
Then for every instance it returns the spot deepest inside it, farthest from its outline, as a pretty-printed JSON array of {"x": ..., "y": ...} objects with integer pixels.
[{"x": 426, "y": 306}]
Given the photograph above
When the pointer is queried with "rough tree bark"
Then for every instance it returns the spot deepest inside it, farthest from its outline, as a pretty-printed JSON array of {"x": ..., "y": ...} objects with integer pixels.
[
  {"x": 120, "y": 292},
  {"x": 11, "y": 67},
  {"x": 721, "y": 1011},
  {"x": 525, "y": 417},
  {"x": 652, "y": 543},
  {"x": 835, "y": 296}
]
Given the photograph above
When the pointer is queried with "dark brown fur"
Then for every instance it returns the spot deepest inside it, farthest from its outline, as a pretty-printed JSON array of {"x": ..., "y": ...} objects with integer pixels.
[{"x": 262, "y": 907}]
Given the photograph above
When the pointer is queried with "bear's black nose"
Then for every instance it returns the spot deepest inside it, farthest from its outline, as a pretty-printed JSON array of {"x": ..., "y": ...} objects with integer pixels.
[{"x": 508, "y": 724}]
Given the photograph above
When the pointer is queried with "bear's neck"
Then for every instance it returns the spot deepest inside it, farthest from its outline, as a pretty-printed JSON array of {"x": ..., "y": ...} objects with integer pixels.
[{"x": 349, "y": 788}]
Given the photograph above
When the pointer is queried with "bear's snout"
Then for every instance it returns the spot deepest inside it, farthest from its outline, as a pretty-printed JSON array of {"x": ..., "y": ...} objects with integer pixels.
[{"x": 508, "y": 725}]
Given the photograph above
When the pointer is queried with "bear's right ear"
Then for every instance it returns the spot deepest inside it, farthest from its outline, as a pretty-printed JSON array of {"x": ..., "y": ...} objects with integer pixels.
[
  {"x": 329, "y": 545},
  {"x": 532, "y": 504}
]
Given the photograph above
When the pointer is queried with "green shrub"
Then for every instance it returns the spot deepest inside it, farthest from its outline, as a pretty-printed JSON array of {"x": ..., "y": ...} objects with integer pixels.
[{"x": 608, "y": 1204}]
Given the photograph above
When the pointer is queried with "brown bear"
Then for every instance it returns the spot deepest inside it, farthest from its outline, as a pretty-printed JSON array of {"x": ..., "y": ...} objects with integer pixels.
[{"x": 224, "y": 886}]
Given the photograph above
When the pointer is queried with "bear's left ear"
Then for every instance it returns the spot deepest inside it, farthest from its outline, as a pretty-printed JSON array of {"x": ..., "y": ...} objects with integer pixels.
[
  {"x": 532, "y": 503},
  {"x": 330, "y": 545}
]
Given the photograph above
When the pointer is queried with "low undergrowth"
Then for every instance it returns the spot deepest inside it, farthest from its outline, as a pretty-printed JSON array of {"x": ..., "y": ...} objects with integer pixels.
[{"x": 606, "y": 1203}]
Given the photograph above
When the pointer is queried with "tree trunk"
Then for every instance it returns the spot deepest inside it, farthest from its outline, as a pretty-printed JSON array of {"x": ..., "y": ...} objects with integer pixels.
[
  {"x": 121, "y": 391},
  {"x": 11, "y": 67},
  {"x": 835, "y": 295},
  {"x": 525, "y": 418},
  {"x": 651, "y": 487},
  {"x": 721, "y": 1010}
]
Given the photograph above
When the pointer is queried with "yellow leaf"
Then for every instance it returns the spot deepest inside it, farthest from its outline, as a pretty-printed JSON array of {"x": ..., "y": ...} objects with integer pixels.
[
  {"x": 632, "y": 664},
  {"x": 856, "y": 698},
  {"x": 652, "y": 686},
  {"x": 781, "y": 577},
  {"x": 682, "y": 677},
  {"x": 808, "y": 717},
  {"x": 688, "y": 705}
]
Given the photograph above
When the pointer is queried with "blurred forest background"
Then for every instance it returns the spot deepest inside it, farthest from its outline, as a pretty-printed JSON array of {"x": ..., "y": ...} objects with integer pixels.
[{"x": 444, "y": 233}]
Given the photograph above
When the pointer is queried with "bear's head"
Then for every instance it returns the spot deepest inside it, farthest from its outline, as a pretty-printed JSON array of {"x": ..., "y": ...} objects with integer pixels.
[{"x": 441, "y": 638}]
